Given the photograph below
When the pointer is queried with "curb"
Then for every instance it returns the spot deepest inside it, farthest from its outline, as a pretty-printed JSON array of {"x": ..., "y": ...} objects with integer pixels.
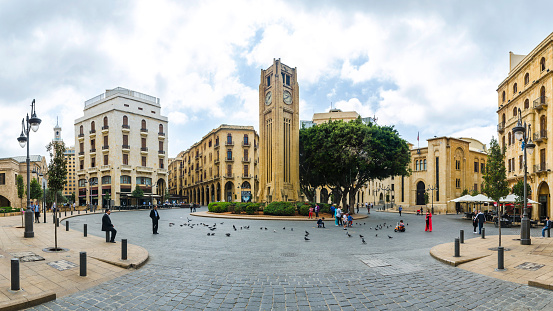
[
  {"x": 28, "y": 302},
  {"x": 455, "y": 263},
  {"x": 231, "y": 216}
]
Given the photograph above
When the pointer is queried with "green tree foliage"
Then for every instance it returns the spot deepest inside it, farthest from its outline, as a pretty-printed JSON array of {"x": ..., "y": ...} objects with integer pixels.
[
  {"x": 474, "y": 192},
  {"x": 518, "y": 189},
  {"x": 137, "y": 193},
  {"x": 36, "y": 190},
  {"x": 347, "y": 155},
  {"x": 57, "y": 168},
  {"x": 20, "y": 188},
  {"x": 495, "y": 176},
  {"x": 73, "y": 197},
  {"x": 465, "y": 192}
]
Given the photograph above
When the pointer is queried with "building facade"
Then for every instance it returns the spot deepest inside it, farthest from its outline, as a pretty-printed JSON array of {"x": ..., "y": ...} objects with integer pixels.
[
  {"x": 525, "y": 93},
  {"x": 10, "y": 168},
  {"x": 221, "y": 167},
  {"x": 121, "y": 143},
  {"x": 70, "y": 188},
  {"x": 279, "y": 133}
]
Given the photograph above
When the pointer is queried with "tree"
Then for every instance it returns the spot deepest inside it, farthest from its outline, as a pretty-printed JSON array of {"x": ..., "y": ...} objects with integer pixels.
[
  {"x": 36, "y": 190},
  {"x": 137, "y": 193},
  {"x": 73, "y": 197},
  {"x": 20, "y": 193},
  {"x": 518, "y": 190},
  {"x": 474, "y": 192},
  {"x": 465, "y": 192},
  {"x": 57, "y": 175},
  {"x": 347, "y": 155},
  {"x": 495, "y": 177}
]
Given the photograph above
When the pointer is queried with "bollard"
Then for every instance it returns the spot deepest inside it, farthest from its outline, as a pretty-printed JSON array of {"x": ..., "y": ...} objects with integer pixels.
[
  {"x": 66, "y": 225},
  {"x": 82, "y": 257},
  {"x": 71, "y": 212},
  {"x": 15, "y": 274},
  {"x": 457, "y": 248},
  {"x": 65, "y": 212},
  {"x": 79, "y": 212},
  {"x": 86, "y": 210},
  {"x": 107, "y": 236},
  {"x": 483, "y": 233},
  {"x": 462, "y": 236},
  {"x": 500, "y": 257},
  {"x": 124, "y": 249},
  {"x": 57, "y": 222},
  {"x": 84, "y": 230}
]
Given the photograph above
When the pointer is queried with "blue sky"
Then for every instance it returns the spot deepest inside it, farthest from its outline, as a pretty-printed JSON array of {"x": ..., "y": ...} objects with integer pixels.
[{"x": 423, "y": 66}]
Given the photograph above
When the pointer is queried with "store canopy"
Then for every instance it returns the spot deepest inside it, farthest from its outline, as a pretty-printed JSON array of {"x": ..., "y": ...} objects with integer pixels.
[
  {"x": 512, "y": 198},
  {"x": 467, "y": 198},
  {"x": 480, "y": 198}
]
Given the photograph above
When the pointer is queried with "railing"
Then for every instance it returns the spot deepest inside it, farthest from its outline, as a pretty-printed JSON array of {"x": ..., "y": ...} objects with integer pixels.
[
  {"x": 94, "y": 100},
  {"x": 229, "y": 143},
  {"x": 246, "y": 176},
  {"x": 161, "y": 134},
  {"x": 81, "y": 153},
  {"x": 229, "y": 159},
  {"x": 162, "y": 171},
  {"x": 120, "y": 90},
  {"x": 216, "y": 145},
  {"x": 501, "y": 127},
  {"x": 229, "y": 175},
  {"x": 125, "y": 167},
  {"x": 80, "y": 135},
  {"x": 92, "y": 131},
  {"x": 161, "y": 151},
  {"x": 245, "y": 143},
  {"x": 92, "y": 150},
  {"x": 540, "y": 102},
  {"x": 144, "y": 168},
  {"x": 540, "y": 135},
  {"x": 126, "y": 147},
  {"x": 104, "y": 167},
  {"x": 542, "y": 167},
  {"x": 126, "y": 126},
  {"x": 216, "y": 160},
  {"x": 144, "y": 130},
  {"x": 143, "y": 148},
  {"x": 105, "y": 127},
  {"x": 245, "y": 159},
  {"x": 105, "y": 147}
]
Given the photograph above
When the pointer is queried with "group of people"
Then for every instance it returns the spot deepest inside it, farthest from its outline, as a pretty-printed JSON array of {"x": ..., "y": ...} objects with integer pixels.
[
  {"x": 107, "y": 225},
  {"x": 478, "y": 220},
  {"x": 315, "y": 210}
]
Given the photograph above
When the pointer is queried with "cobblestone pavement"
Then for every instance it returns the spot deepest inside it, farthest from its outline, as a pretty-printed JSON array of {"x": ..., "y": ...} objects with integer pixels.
[{"x": 276, "y": 269}]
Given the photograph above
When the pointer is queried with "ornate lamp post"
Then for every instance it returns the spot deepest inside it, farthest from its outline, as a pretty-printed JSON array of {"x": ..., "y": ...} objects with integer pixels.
[
  {"x": 431, "y": 189},
  {"x": 32, "y": 123},
  {"x": 523, "y": 134},
  {"x": 385, "y": 189}
]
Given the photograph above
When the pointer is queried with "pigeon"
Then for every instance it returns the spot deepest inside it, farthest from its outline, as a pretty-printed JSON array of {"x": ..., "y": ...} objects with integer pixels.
[
  {"x": 349, "y": 235},
  {"x": 213, "y": 234},
  {"x": 376, "y": 235},
  {"x": 227, "y": 234},
  {"x": 361, "y": 236},
  {"x": 291, "y": 229},
  {"x": 189, "y": 220},
  {"x": 306, "y": 233},
  {"x": 261, "y": 228},
  {"x": 390, "y": 237},
  {"x": 234, "y": 227},
  {"x": 274, "y": 231},
  {"x": 265, "y": 228},
  {"x": 306, "y": 238},
  {"x": 222, "y": 223},
  {"x": 240, "y": 228},
  {"x": 363, "y": 240},
  {"x": 208, "y": 234},
  {"x": 283, "y": 228}
]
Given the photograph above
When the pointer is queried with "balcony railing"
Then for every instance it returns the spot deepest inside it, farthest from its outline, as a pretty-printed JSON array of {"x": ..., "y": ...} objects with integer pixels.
[
  {"x": 246, "y": 159},
  {"x": 216, "y": 145},
  {"x": 125, "y": 167},
  {"x": 228, "y": 175},
  {"x": 126, "y": 126},
  {"x": 229, "y": 143},
  {"x": 161, "y": 151},
  {"x": 229, "y": 159},
  {"x": 105, "y": 147},
  {"x": 92, "y": 131},
  {"x": 92, "y": 150},
  {"x": 123, "y": 91},
  {"x": 144, "y": 130},
  {"x": 81, "y": 153},
  {"x": 540, "y": 136},
  {"x": 143, "y": 148},
  {"x": 216, "y": 160},
  {"x": 104, "y": 168},
  {"x": 81, "y": 135},
  {"x": 246, "y": 176},
  {"x": 144, "y": 169},
  {"x": 161, "y": 134},
  {"x": 540, "y": 102},
  {"x": 542, "y": 167},
  {"x": 126, "y": 147},
  {"x": 245, "y": 143},
  {"x": 105, "y": 127},
  {"x": 501, "y": 127}
]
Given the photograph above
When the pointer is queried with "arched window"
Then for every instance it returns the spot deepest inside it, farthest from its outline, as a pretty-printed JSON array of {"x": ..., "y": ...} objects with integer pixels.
[
  {"x": 143, "y": 124},
  {"x": 503, "y": 141},
  {"x": 161, "y": 132},
  {"x": 526, "y": 104},
  {"x": 503, "y": 96},
  {"x": 105, "y": 122},
  {"x": 503, "y": 119},
  {"x": 515, "y": 112},
  {"x": 542, "y": 64},
  {"x": 125, "y": 121},
  {"x": 81, "y": 131},
  {"x": 92, "y": 127},
  {"x": 515, "y": 89},
  {"x": 526, "y": 78},
  {"x": 509, "y": 138},
  {"x": 543, "y": 126},
  {"x": 542, "y": 95}
]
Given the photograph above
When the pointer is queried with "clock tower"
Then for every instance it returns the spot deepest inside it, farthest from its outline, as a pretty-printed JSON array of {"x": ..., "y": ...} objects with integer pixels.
[{"x": 279, "y": 134}]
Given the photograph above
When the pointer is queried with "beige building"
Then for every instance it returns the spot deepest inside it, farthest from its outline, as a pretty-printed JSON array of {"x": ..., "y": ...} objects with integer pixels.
[
  {"x": 220, "y": 167},
  {"x": 121, "y": 142},
  {"x": 279, "y": 134},
  {"x": 69, "y": 155},
  {"x": 526, "y": 93},
  {"x": 9, "y": 169}
]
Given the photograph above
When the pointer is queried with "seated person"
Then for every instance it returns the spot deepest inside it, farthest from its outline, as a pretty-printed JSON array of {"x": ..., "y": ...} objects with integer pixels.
[
  {"x": 418, "y": 212},
  {"x": 401, "y": 226},
  {"x": 547, "y": 226},
  {"x": 320, "y": 223}
]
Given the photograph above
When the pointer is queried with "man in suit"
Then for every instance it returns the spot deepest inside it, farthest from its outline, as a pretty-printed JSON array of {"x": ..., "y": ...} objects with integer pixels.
[
  {"x": 481, "y": 219},
  {"x": 108, "y": 226},
  {"x": 155, "y": 219}
]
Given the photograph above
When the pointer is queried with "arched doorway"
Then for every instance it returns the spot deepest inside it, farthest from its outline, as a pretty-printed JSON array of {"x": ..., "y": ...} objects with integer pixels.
[
  {"x": 229, "y": 191},
  {"x": 420, "y": 193},
  {"x": 381, "y": 198},
  {"x": 202, "y": 196},
  {"x": 161, "y": 191},
  {"x": 543, "y": 199},
  {"x": 218, "y": 192},
  {"x": 212, "y": 193},
  {"x": 4, "y": 201},
  {"x": 207, "y": 197},
  {"x": 246, "y": 192},
  {"x": 324, "y": 195}
]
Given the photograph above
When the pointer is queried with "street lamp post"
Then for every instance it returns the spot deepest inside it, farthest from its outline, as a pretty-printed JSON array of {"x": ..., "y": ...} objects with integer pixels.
[
  {"x": 38, "y": 173},
  {"x": 44, "y": 197},
  {"x": 32, "y": 123},
  {"x": 523, "y": 134},
  {"x": 431, "y": 189},
  {"x": 385, "y": 189}
]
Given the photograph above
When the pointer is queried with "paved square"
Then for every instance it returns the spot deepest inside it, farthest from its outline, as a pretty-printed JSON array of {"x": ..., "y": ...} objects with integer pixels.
[{"x": 62, "y": 265}]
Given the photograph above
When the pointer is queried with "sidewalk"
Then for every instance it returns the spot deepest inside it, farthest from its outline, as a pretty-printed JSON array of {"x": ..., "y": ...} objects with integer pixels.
[
  {"x": 269, "y": 217},
  {"x": 57, "y": 274},
  {"x": 524, "y": 264}
]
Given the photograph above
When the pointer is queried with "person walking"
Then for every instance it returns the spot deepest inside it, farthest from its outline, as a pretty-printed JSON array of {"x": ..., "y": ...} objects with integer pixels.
[
  {"x": 357, "y": 208},
  {"x": 108, "y": 226},
  {"x": 474, "y": 223},
  {"x": 155, "y": 219},
  {"x": 547, "y": 226},
  {"x": 317, "y": 209},
  {"x": 332, "y": 210},
  {"x": 338, "y": 216},
  {"x": 428, "y": 222},
  {"x": 400, "y": 209},
  {"x": 481, "y": 221},
  {"x": 37, "y": 213}
]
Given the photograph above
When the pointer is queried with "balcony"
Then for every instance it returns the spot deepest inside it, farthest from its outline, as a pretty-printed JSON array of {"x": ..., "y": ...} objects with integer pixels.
[
  {"x": 501, "y": 127},
  {"x": 105, "y": 129},
  {"x": 93, "y": 150},
  {"x": 105, "y": 147},
  {"x": 161, "y": 135},
  {"x": 126, "y": 147},
  {"x": 216, "y": 161},
  {"x": 144, "y": 169},
  {"x": 80, "y": 136},
  {"x": 216, "y": 145},
  {"x": 228, "y": 175},
  {"x": 229, "y": 143},
  {"x": 143, "y": 132},
  {"x": 246, "y": 176},
  {"x": 216, "y": 176},
  {"x": 144, "y": 150},
  {"x": 542, "y": 167},
  {"x": 104, "y": 168},
  {"x": 125, "y": 167},
  {"x": 246, "y": 144},
  {"x": 540, "y": 103},
  {"x": 125, "y": 128},
  {"x": 246, "y": 160},
  {"x": 162, "y": 171},
  {"x": 161, "y": 152},
  {"x": 540, "y": 136},
  {"x": 227, "y": 159},
  {"x": 81, "y": 172},
  {"x": 92, "y": 132},
  {"x": 81, "y": 154},
  {"x": 92, "y": 170}
]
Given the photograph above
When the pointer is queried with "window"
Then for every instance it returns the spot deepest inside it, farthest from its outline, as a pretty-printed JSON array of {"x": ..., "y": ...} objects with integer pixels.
[
  {"x": 106, "y": 159},
  {"x": 476, "y": 167},
  {"x": 105, "y": 141},
  {"x": 503, "y": 96},
  {"x": 81, "y": 131},
  {"x": 229, "y": 139},
  {"x": 416, "y": 165},
  {"x": 143, "y": 161},
  {"x": 125, "y": 121},
  {"x": 92, "y": 162},
  {"x": 82, "y": 183},
  {"x": 2, "y": 178},
  {"x": 509, "y": 138},
  {"x": 424, "y": 161},
  {"x": 92, "y": 127},
  {"x": 526, "y": 104},
  {"x": 125, "y": 179},
  {"x": 515, "y": 89},
  {"x": 285, "y": 79},
  {"x": 161, "y": 129},
  {"x": 457, "y": 164},
  {"x": 526, "y": 78},
  {"x": 210, "y": 143},
  {"x": 160, "y": 163},
  {"x": 92, "y": 144},
  {"x": 482, "y": 168},
  {"x": 515, "y": 112},
  {"x": 81, "y": 165},
  {"x": 476, "y": 187},
  {"x": 246, "y": 141},
  {"x": 268, "y": 80},
  {"x": 144, "y": 181},
  {"x": 81, "y": 147},
  {"x": 106, "y": 180},
  {"x": 160, "y": 145},
  {"x": 143, "y": 125},
  {"x": 229, "y": 170},
  {"x": 125, "y": 159},
  {"x": 229, "y": 154},
  {"x": 246, "y": 171},
  {"x": 140, "y": 108},
  {"x": 542, "y": 64},
  {"x": 458, "y": 183},
  {"x": 143, "y": 142},
  {"x": 105, "y": 122},
  {"x": 246, "y": 154},
  {"x": 520, "y": 163},
  {"x": 125, "y": 140}
]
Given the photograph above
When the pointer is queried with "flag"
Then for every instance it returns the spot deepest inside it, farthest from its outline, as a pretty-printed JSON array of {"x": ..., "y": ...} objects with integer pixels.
[{"x": 417, "y": 136}]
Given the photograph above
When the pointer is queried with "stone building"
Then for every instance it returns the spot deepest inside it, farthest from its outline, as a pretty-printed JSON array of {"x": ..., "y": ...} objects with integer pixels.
[
  {"x": 70, "y": 187},
  {"x": 121, "y": 142},
  {"x": 9, "y": 169},
  {"x": 220, "y": 167},
  {"x": 525, "y": 93}
]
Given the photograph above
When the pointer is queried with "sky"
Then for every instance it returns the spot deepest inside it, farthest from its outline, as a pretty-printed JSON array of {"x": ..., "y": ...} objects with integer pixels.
[{"x": 429, "y": 68}]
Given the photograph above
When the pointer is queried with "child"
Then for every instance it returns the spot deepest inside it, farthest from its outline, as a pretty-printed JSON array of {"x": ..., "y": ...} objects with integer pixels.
[
  {"x": 320, "y": 223},
  {"x": 345, "y": 220},
  {"x": 310, "y": 213},
  {"x": 350, "y": 221}
]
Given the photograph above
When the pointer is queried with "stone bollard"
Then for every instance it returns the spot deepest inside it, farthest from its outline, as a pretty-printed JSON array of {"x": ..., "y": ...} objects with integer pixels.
[
  {"x": 107, "y": 236},
  {"x": 82, "y": 264},
  {"x": 124, "y": 249},
  {"x": 457, "y": 248},
  {"x": 483, "y": 233},
  {"x": 15, "y": 274},
  {"x": 66, "y": 225},
  {"x": 462, "y": 236},
  {"x": 500, "y": 258},
  {"x": 85, "y": 230}
]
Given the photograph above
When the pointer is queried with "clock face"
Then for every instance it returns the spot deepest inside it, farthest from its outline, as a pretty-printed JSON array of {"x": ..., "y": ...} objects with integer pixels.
[
  {"x": 287, "y": 97},
  {"x": 268, "y": 98}
]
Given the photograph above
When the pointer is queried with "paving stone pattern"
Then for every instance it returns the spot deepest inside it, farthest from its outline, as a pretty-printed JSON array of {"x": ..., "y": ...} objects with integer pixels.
[{"x": 267, "y": 270}]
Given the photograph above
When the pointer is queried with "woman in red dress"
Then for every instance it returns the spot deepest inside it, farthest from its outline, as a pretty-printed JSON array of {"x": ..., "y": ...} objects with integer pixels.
[{"x": 428, "y": 222}]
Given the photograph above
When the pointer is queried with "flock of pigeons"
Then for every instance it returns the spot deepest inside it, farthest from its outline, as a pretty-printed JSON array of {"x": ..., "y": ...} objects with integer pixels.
[{"x": 306, "y": 237}]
